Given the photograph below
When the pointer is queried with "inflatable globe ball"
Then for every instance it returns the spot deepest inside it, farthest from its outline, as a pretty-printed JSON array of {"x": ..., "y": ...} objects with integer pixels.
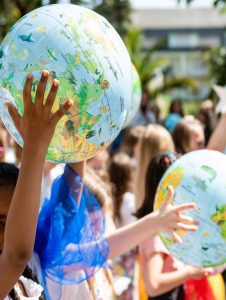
[
  {"x": 136, "y": 96},
  {"x": 199, "y": 176},
  {"x": 84, "y": 52}
]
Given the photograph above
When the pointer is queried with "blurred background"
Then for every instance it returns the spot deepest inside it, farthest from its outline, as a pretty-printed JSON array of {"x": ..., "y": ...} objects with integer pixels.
[{"x": 177, "y": 46}]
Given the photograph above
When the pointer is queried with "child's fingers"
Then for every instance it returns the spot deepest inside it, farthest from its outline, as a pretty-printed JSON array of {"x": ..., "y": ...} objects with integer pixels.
[
  {"x": 61, "y": 112},
  {"x": 41, "y": 88},
  {"x": 52, "y": 95},
  {"x": 14, "y": 114},
  {"x": 169, "y": 196},
  {"x": 188, "y": 220},
  {"x": 186, "y": 206},
  {"x": 176, "y": 237},
  {"x": 208, "y": 271},
  {"x": 27, "y": 92},
  {"x": 186, "y": 227}
]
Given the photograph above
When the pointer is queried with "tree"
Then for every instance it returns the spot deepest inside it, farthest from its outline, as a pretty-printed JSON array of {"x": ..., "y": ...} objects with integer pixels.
[
  {"x": 217, "y": 65},
  {"x": 117, "y": 12},
  {"x": 11, "y": 11},
  {"x": 148, "y": 65}
]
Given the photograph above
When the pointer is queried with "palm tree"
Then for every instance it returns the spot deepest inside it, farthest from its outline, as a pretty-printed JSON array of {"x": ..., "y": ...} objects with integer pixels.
[
  {"x": 148, "y": 65},
  {"x": 117, "y": 12}
]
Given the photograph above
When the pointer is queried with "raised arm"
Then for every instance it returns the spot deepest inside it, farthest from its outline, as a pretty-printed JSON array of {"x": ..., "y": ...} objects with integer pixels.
[
  {"x": 36, "y": 127},
  {"x": 218, "y": 138}
]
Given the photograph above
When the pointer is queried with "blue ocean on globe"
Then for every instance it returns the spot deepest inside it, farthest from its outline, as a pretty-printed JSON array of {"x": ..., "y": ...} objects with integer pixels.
[
  {"x": 200, "y": 177},
  {"x": 84, "y": 52}
]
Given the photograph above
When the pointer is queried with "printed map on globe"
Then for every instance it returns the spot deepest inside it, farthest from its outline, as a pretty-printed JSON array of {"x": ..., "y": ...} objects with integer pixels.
[
  {"x": 200, "y": 177},
  {"x": 84, "y": 52}
]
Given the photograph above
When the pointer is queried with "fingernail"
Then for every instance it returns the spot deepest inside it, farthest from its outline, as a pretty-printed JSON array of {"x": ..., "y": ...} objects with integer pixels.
[
  {"x": 69, "y": 102},
  {"x": 55, "y": 82},
  {"x": 45, "y": 73},
  {"x": 29, "y": 76}
]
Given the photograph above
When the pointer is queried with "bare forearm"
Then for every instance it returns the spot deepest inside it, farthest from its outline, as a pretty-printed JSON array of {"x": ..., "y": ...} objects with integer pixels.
[
  {"x": 166, "y": 282},
  {"x": 23, "y": 213},
  {"x": 218, "y": 138},
  {"x": 127, "y": 237}
]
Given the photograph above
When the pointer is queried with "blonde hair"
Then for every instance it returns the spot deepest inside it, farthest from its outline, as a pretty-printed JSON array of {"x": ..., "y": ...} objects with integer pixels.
[
  {"x": 155, "y": 140},
  {"x": 120, "y": 177},
  {"x": 100, "y": 189}
]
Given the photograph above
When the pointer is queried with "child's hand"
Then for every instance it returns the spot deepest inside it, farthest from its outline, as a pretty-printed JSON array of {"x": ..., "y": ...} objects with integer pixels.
[
  {"x": 198, "y": 273},
  {"x": 37, "y": 124},
  {"x": 171, "y": 219}
]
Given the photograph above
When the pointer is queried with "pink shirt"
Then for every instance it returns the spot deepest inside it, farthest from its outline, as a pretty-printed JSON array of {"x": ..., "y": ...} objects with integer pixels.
[{"x": 155, "y": 245}]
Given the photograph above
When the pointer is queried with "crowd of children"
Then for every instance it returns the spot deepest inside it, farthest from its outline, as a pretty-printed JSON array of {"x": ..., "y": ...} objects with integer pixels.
[{"x": 87, "y": 230}]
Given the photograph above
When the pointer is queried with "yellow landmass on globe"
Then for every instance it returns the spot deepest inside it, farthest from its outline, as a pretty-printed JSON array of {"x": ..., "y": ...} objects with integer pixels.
[
  {"x": 220, "y": 219},
  {"x": 174, "y": 178}
]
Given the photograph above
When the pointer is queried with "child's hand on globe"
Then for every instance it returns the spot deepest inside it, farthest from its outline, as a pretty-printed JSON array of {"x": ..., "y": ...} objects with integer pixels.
[
  {"x": 171, "y": 218},
  {"x": 198, "y": 273},
  {"x": 37, "y": 124}
]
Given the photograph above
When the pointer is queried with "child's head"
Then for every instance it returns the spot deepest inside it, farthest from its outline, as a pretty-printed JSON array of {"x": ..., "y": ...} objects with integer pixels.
[
  {"x": 156, "y": 139},
  {"x": 157, "y": 167},
  {"x": 176, "y": 107},
  {"x": 188, "y": 135},
  {"x": 8, "y": 178},
  {"x": 120, "y": 177},
  {"x": 131, "y": 139}
]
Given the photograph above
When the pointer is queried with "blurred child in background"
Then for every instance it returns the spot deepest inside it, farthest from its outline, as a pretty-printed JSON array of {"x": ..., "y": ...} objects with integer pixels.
[{"x": 155, "y": 139}]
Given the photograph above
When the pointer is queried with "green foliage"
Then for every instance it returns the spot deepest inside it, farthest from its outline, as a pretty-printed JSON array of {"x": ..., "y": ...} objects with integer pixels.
[
  {"x": 117, "y": 12},
  {"x": 216, "y": 59},
  {"x": 11, "y": 11},
  {"x": 148, "y": 65},
  {"x": 171, "y": 83},
  {"x": 145, "y": 61}
]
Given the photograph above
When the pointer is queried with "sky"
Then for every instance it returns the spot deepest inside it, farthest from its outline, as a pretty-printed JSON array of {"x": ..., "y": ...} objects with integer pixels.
[{"x": 167, "y": 3}]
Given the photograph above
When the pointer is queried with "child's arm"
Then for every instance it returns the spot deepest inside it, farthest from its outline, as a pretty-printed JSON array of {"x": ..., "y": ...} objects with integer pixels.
[
  {"x": 79, "y": 168},
  {"x": 36, "y": 127},
  {"x": 218, "y": 138},
  {"x": 158, "y": 283},
  {"x": 167, "y": 219}
]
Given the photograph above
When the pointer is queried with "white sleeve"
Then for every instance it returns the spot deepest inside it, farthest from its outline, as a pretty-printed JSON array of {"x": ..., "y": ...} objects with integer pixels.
[{"x": 128, "y": 209}]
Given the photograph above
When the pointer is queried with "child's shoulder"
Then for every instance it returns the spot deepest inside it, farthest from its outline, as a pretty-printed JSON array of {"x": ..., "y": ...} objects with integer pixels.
[{"x": 153, "y": 245}]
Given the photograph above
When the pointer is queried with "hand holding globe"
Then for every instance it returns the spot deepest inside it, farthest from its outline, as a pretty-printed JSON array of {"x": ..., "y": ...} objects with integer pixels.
[
  {"x": 85, "y": 54},
  {"x": 198, "y": 176}
]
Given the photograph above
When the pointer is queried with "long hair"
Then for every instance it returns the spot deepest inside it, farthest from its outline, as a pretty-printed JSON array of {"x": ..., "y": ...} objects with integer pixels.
[
  {"x": 157, "y": 167},
  {"x": 120, "y": 177},
  {"x": 156, "y": 139},
  {"x": 182, "y": 133},
  {"x": 8, "y": 178}
]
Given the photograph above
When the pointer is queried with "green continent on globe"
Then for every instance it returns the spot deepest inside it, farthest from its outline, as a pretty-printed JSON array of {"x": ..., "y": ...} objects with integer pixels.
[
  {"x": 220, "y": 219},
  {"x": 174, "y": 178},
  {"x": 200, "y": 183},
  {"x": 212, "y": 173},
  {"x": 84, "y": 52}
]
